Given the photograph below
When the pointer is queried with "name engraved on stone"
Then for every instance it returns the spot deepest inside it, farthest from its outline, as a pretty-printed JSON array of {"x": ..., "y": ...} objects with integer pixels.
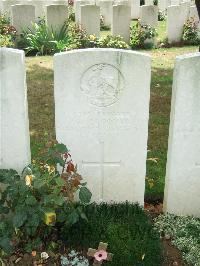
[
  {"x": 102, "y": 84},
  {"x": 100, "y": 120}
]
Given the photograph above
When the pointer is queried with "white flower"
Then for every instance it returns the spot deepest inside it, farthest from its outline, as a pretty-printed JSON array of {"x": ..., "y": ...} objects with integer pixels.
[{"x": 44, "y": 256}]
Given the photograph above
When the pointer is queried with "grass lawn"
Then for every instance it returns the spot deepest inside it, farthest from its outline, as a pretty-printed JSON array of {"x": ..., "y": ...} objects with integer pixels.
[{"x": 41, "y": 108}]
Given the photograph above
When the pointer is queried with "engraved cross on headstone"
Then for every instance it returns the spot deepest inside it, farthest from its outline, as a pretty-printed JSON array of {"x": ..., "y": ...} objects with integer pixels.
[{"x": 102, "y": 164}]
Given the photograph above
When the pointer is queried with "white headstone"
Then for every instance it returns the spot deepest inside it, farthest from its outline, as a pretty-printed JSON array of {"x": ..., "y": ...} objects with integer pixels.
[
  {"x": 176, "y": 17},
  {"x": 163, "y": 4},
  {"x": 77, "y": 7},
  {"x": 6, "y": 5},
  {"x": 106, "y": 11},
  {"x": 22, "y": 17},
  {"x": 90, "y": 19},
  {"x": 135, "y": 9},
  {"x": 102, "y": 109},
  {"x": 182, "y": 187},
  {"x": 149, "y": 2},
  {"x": 175, "y": 2},
  {"x": 56, "y": 16},
  {"x": 14, "y": 132},
  {"x": 149, "y": 15},
  {"x": 39, "y": 7},
  {"x": 121, "y": 19}
]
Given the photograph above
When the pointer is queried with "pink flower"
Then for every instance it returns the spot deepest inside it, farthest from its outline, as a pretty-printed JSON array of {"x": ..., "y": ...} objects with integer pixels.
[{"x": 101, "y": 255}]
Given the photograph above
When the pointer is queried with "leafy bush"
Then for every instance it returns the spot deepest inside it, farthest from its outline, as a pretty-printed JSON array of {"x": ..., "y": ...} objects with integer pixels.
[
  {"x": 6, "y": 41},
  {"x": 7, "y": 31},
  {"x": 191, "y": 32},
  {"x": 42, "y": 40},
  {"x": 184, "y": 232},
  {"x": 34, "y": 205},
  {"x": 142, "y": 36},
  {"x": 111, "y": 41}
]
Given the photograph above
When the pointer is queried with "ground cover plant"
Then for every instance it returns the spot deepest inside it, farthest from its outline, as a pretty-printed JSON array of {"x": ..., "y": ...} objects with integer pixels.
[
  {"x": 126, "y": 228},
  {"x": 184, "y": 233}
]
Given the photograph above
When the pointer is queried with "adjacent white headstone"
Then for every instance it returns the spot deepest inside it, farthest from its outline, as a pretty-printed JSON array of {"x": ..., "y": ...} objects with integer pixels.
[
  {"x": 90, "y": 19},
  {"x": 149, "y": 15},
  {"x": 182, "y": 187},
  {"x": 175, "y": 2},
  {"x": 121, "y": 19},
  {"x": 14, "y": 132},
  {"x": 163, "y": 4},
  {"x": 6, "y": 5},
  {"x": 176, "y": 17},
  {"x": 56, "y": 16},
  {"x": 135, "y": 9},
  {"x": 106, "y": 11},
  {"x": 22, "y": 17},
  {"x": 77, "y": 7},
  {"x": 101, "y": 110},
  {"x": 149, "y": 2}
]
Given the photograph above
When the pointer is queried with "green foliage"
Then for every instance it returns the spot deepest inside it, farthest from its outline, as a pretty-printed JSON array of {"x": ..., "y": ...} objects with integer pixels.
[
  {"x": 125, "y": 227},
  {"x": 142, "y": 36},
  {"x": 111, "y": 41},
  {"x": 41, "y": 40},
  {"x": 35, "y": 203},
  {"x": 7, "y": 32},
  {"x": 184, "y": 232},
  {"x": 191, "y": 32},
  {"x": 161, "y": 16}
]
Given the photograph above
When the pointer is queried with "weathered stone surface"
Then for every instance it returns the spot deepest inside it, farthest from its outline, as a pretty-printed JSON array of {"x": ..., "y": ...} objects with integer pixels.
[
  {"x": 22, "y": 17},
  {"x": 176, "y": 17},
  {"x": 135, "y": 9},
  {"x": 106, "y": 10},
  {"x": 56, "y": 16},
  {"x": 149, "y": 15},
  {"x": 102, "y": 109},
  {"x": 182, "y": 195},
  {"x": 14, "y": 132},
  {"x": 121, "y": 19},
  {"x": 90, "y": 19}
]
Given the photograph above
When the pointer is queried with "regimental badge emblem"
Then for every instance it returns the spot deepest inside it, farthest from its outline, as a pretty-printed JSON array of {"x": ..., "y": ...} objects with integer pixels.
[{"x": 102, "y": 84}]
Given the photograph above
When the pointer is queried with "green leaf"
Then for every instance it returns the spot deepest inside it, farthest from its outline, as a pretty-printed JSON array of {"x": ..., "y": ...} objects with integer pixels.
[
  {"x": 72, "y": 218},
  {"x": 60, "y": 147},
  {"x": 5, "y": 244},
  {"x": 19, "y": 219},
  {"x": 30, "y": 200},
  {"x": 85, "y": 195},
  {"x": 4, "y": 210},
  {"x": 60, "y": 182}
]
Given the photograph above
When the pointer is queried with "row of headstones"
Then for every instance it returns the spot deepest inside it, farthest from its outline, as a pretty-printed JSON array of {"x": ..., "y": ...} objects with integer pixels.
[
  {"x": 119, "y": 16},
  {"x": 23, "y": 16},
  {"x": 102, "y": 116},
  {"x": 5, "y": 5}
]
